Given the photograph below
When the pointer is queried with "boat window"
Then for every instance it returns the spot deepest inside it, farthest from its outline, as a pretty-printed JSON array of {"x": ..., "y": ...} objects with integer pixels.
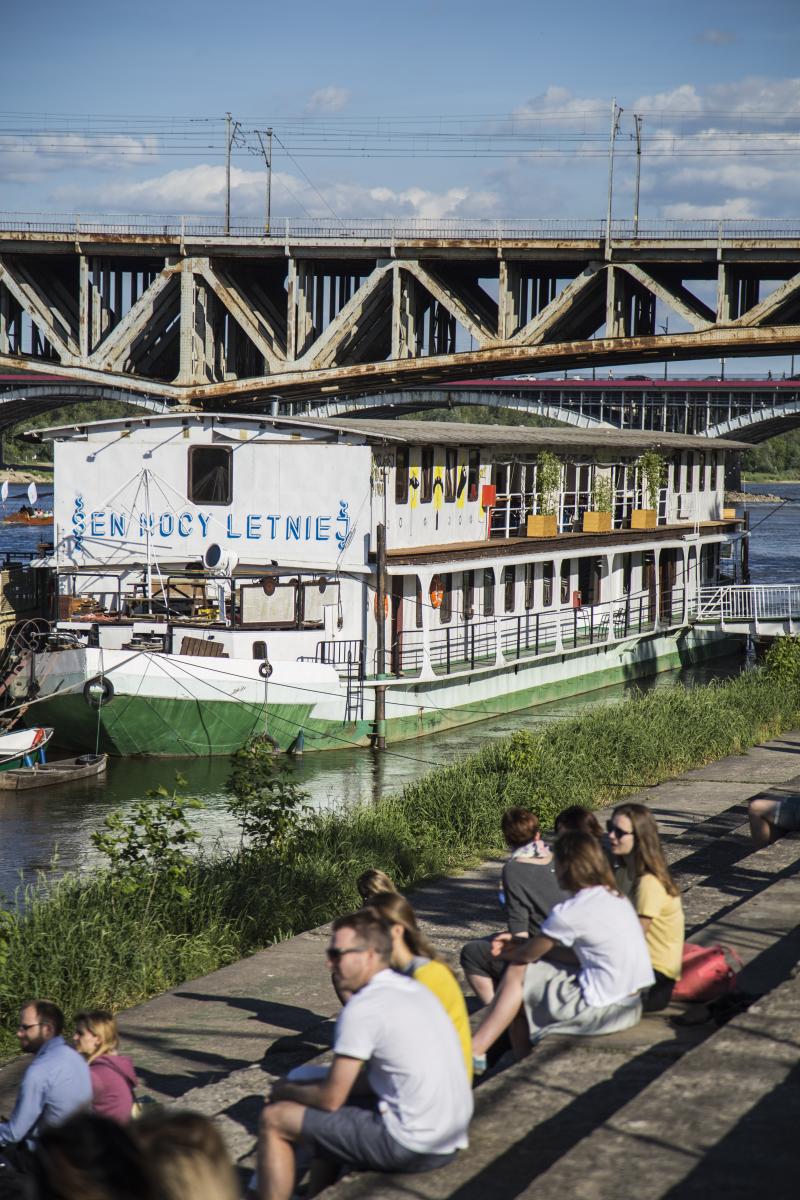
[
  {"x": 530, "y": 577},
  {"x": 259, "y": 649},
  {"x": 565, "y": 577},
  {"x": 689, "y": 472},
  {"x": 401, "y": 476},
  {"x": 627, "y": 574},
  {"x": 446, "y": 610},
  {"x": 509, "y": 587},
  {"x": 210, "y": 475},
  {"x": 426, "y": 491},
  {"x": 701, "y": 484},
  {"x": 547, "y": 584},
  {"x": 451, "y": 461},
  {"x": 468, "y": 595},
  {"x": 418, "y": 604},
  {"x": 473, "y": 474},
  {"x": 488, "y": 592}
]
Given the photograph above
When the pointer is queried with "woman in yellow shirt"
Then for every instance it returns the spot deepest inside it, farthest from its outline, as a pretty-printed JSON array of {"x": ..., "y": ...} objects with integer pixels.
[
  {"x": 633, "y": 836},
  {"x": 413, "y": 955}
]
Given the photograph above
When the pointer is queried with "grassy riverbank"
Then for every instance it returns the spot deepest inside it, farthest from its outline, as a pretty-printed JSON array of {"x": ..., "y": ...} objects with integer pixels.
[{"x": 99, "y": 941}]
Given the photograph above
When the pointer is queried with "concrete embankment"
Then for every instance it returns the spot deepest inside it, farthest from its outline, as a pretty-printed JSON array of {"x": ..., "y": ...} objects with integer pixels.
[{"x": 663, "y": 1110}]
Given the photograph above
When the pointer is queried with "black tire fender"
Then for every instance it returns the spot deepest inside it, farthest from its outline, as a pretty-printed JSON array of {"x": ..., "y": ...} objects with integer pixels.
[
  {"x": 98, "y": 692},
  {"x": 265, "y": 669}
]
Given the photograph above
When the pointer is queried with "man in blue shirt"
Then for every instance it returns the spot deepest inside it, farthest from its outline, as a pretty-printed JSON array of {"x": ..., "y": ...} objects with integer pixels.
[{"x": 55, "y": 1085}]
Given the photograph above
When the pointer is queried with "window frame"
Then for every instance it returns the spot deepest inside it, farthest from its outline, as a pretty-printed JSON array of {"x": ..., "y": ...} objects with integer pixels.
[{"x": 194, "y": 451}]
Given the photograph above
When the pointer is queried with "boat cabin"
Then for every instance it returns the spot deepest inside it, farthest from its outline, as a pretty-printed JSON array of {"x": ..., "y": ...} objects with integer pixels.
[{"x": 257, "y": 537}]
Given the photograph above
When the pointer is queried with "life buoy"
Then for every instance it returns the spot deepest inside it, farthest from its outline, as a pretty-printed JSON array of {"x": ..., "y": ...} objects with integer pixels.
[
  {"x": 385, "y": 605},
  {"x": 98, "y": 691},
  {"x": 437, "y": 591},
  {"x": 265, "y": 669},
  {"x": 38, "y": 737}
]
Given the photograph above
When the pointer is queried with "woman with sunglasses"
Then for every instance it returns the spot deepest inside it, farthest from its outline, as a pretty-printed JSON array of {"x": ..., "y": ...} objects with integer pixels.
[
  {"x": 599, "y": 992},
  {"x": 633, "y": 837}
]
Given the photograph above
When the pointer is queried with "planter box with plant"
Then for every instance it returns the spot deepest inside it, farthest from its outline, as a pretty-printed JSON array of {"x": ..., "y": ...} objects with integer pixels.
[
  {"x": 598, "y": 520},
  {"x": 653, "y": 469},
  {"x": 548, "y": 485}
]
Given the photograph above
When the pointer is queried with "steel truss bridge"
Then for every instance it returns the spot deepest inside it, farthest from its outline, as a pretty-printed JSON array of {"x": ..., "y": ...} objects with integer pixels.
[
  {"x": 751, "y": 410},
  {"x": 187, "y": 314}
]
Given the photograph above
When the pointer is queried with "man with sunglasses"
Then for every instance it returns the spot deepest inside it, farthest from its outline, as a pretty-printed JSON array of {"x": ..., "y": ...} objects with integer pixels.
[
  {"x": 420, "y": 1102},
  {"x": 55, "y": 1085}
]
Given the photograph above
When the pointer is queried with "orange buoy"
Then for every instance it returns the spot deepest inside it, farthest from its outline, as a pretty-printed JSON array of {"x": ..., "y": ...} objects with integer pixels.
[{"x": 437, "y": 591}]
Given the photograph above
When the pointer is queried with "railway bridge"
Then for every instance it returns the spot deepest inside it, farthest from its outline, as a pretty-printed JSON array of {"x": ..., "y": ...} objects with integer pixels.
[{"x": 192, "y": 315}]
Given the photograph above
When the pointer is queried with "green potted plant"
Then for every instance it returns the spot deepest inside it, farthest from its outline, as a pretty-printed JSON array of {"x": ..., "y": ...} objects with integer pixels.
[
  {"x": 653, "y": 469},
  {"x": 548, "y": 486},
  {"x": 598, "y": 519}
]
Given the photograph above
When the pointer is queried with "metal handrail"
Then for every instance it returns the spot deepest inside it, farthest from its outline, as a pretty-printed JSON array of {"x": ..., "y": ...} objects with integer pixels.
[
  {"x": 389, "y": 228},
  {"x": 747, "y": 602}
]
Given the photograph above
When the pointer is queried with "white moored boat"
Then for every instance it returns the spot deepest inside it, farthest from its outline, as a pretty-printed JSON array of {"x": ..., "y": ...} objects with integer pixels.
[{"x": 217, "y": 576}]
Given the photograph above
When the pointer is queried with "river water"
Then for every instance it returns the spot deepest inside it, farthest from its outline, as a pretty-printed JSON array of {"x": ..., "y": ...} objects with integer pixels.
[{"x": 38, "y": 826}]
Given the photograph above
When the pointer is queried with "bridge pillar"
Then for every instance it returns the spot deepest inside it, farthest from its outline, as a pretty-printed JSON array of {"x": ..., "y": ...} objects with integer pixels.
[
  {"x": 630, "y": 307},
  {"x": 737, "y": 291}
]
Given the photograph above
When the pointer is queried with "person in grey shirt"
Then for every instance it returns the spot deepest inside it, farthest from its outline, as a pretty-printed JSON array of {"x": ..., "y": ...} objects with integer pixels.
[
  {"x": 528, "y": 890},
  {"x": 55, "y": 1085}
]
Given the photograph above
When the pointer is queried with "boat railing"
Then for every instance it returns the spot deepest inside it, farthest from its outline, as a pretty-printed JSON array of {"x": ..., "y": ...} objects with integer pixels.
[
  {"x": 747, "y": 602},
  {"x": 463, "y": 646},
  {"x": 339, "y": 653},
  {"x": 508, "y": 516}
]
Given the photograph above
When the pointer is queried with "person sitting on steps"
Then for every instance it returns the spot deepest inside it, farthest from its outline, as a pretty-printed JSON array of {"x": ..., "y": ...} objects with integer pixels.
[
  {"x": 599, "y": 993},
  {"x": 422, "y": 1102},
  {"x": 414, "y": 956},
  {"x": 528, "y": 890},
  {"x": 633, "y": 833}
]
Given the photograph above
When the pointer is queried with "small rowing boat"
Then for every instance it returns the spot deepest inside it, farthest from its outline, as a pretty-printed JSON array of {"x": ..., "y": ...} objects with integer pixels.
[
  {"x": 18, "y": 747},
  {"x": 64, "y": 770}
]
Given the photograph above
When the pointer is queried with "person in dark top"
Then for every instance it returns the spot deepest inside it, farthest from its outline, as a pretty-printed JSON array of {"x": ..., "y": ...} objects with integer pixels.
[{"x": 528, "y": 890}]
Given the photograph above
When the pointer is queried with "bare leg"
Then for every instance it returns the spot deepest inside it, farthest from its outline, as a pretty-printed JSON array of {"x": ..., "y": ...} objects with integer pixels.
[
  {"x": 280, "y": 1128},
  {"x": 483, "y": 987},
  {"x": 505, "y": 1006},
  {"x": 763, "y": 829}
]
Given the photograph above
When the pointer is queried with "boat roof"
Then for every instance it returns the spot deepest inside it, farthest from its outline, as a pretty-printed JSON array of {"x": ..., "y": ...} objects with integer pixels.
[{"x": 414, "y": 432}]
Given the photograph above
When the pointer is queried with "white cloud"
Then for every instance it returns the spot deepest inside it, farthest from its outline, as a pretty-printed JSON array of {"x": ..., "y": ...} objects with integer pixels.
[
  {"x": 27, "y": 159},
  {"x": 732, "y": 209},
  {"x": 328, "y": 100},
  {"x": 200, "y": 191},
  {"x": 716, "y": 37}
]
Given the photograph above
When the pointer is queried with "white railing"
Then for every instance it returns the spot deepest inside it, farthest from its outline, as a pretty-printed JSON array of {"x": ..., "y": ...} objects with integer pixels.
[
  {"x": 396, "y": 228},
  {"x": 748, "y": 602},
  {"x": 510, "y": 511}
]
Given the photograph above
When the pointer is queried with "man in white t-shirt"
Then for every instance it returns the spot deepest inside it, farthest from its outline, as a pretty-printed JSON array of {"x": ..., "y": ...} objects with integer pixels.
[{"x": 415, "y": 1072}]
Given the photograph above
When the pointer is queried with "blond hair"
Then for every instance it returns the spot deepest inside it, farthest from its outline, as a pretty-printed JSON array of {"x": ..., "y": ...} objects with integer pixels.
[
  {"x": 394, "y": 909},
  {"x": 186, "y": 1156},
  {"x": 103, "y": 1025},
  {"x": 374, "y": 882}
]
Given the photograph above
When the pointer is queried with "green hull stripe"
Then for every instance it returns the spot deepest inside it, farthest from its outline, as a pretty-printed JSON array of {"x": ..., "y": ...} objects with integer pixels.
[{"x": 136, "y": 725}]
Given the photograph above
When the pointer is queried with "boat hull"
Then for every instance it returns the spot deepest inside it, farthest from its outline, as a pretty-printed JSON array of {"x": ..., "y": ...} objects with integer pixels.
[
  {"x": 166, "y": 707},
  {"x": 69, "y": 770}
]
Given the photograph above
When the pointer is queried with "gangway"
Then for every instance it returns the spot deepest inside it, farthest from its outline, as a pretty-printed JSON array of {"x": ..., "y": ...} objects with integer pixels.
[{"x": 757, "y": 609}]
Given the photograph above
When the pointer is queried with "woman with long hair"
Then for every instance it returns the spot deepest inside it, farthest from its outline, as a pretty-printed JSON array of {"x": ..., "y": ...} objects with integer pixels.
[
  {"x": 112, "y": 1074},
  {"x": 597, "y": 994},
  {"x": 412, "y": 954},
  {"x": 633, "y": 835}
]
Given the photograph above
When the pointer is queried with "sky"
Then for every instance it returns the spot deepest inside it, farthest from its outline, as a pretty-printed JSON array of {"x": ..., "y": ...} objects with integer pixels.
[
  {"x": 431, "y": 109},
  {"x": 434, "y": 108}
]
